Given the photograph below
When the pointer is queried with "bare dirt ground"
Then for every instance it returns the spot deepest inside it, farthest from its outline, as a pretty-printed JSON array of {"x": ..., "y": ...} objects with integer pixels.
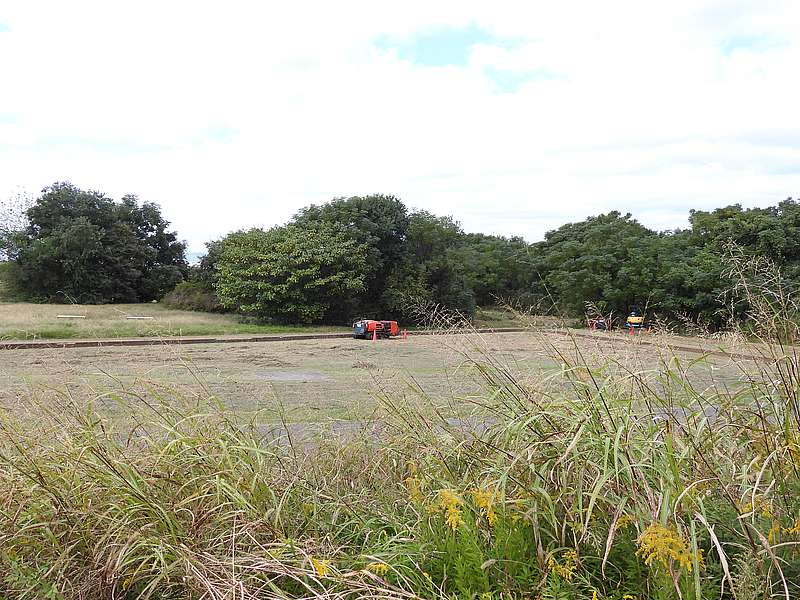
[{"x": 320, "y": 380}]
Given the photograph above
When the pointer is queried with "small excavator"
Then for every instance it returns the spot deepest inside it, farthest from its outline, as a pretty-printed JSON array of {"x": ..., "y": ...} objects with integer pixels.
[{"x": 635, "y": 319}]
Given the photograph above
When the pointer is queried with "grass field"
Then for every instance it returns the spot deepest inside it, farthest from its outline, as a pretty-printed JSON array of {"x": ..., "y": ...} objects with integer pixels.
[
  {"x": 311, "y": 380},
  {"x": 20, "y": 320},
  {"x": 520, "y": 465},
  {"x": 29, "y": 321}
]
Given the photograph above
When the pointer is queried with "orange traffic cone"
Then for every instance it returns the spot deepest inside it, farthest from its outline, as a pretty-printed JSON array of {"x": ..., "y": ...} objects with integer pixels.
[
  {"x": 632, "y": 332},
  {"x": 374, "y": 335}
]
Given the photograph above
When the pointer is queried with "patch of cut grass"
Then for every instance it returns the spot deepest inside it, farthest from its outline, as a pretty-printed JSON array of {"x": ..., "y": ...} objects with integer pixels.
[{"x": 29, "y": 321}]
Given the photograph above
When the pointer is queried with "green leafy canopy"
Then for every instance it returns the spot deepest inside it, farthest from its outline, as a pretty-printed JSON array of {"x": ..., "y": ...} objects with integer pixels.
[{"x": 291, "y": 273}]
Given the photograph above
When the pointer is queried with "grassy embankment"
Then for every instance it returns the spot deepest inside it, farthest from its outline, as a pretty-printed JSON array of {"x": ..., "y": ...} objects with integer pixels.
[
  {"x": 591, "y": 482},
  {"x": 25, "y": 320}
]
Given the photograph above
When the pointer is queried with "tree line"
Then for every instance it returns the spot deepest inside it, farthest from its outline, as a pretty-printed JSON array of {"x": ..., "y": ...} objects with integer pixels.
[
  {"x": 363, "y": 256},
  {"x": 370, "y": 256}
]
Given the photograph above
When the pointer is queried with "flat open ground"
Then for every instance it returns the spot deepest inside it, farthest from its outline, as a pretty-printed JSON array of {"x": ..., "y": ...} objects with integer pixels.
[{"x": 318, "y": 380}]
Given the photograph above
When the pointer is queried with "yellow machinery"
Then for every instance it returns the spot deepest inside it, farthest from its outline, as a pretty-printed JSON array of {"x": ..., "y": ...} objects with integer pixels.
[{"x": 635, "y": 319}]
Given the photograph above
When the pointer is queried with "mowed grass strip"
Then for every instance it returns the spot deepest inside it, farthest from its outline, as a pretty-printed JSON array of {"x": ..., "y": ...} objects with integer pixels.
[{"x": 21, "y": 320}]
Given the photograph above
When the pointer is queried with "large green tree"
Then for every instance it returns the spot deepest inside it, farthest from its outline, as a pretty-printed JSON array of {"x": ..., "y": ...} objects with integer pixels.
[
  {"x": 608, "y": 259},
  {"x": 773, "y": 231},
  {"x": 298, "y": 274},
  {"x": 497, "y": 269},
  {"x": 430, "y": 272},
  {"x": 378, "y": 221},
  {"x": 82, "y": 246},
  {"x": 414, "y": 259}
]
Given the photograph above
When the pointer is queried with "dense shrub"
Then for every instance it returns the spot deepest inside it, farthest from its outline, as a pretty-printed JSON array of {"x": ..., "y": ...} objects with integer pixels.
[
  {"x": 295, "y": 274},
  {"x": 193, "y": 295},
  {"x": 9, "y": 292}
]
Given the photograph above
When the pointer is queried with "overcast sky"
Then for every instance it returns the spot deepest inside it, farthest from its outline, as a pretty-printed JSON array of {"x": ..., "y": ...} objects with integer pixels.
[{"x": 513, "y": 117}]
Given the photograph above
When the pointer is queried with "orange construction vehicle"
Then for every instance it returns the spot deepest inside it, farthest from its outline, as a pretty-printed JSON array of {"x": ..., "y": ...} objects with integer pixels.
[{"x": 367, "y": 328}]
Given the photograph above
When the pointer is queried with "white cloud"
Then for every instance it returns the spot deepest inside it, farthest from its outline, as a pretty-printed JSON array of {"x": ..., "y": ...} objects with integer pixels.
[{"x": 238, "y": 114}]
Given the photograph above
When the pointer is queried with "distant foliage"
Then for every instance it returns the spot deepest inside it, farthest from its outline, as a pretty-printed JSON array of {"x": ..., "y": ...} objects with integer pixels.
[
  {"x": 397, "y": 262},
  {"x": 370, "y": 256},
  {"x": 433, "y": 270},
  {"x": 414, "y": 260},
  {"x": 8, "y": 289},
  {"x": 82, "y": 246},
  {"x": 613, "y": 261},
  {"x": 609, "y": 259}
]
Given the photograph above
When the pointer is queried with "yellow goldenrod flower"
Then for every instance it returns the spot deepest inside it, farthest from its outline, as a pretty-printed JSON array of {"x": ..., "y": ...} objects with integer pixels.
[
  {"x": 793, "y": 445},
  {"x": 451, "y": 505},
  {"x": 759, "y": 503},
  {"x": 485, "y": 500},
  {"x": 664, "y": 545},
  {"x": 774, "y": 531},
  {"x": 624, "y": 521},
  {"x": 567, "y": 569},
  {"x": 379, "y": 568},
  {"x": 414, "y": 489},
  {"x": 794, "y": 529},
  {"x": 594, "y": 595},
  {"x": 321, "y": 567}
]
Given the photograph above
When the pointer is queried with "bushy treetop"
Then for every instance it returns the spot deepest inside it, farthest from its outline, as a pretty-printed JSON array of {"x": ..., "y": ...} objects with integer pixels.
[{"x": 77, "y": 245}]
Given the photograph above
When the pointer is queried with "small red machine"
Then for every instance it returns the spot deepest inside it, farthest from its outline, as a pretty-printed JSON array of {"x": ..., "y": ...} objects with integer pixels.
[{"x": 367, "y": 328}]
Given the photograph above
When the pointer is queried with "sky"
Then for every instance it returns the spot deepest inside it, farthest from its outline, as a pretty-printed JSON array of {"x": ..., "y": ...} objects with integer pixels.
[{"x": 514, "y": 117}]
